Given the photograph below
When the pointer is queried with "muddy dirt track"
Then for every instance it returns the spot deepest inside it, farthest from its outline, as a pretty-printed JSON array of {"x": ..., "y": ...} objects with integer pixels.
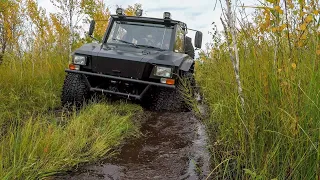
[{"x": 173, "y": 146}]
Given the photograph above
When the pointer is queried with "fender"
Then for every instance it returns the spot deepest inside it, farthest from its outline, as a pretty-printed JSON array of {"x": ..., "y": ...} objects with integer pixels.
[{"x": 186, "y": 64}]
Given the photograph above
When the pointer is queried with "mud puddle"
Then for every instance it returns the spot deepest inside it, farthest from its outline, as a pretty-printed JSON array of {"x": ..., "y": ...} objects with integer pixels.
[{"x": 173, "y": 146}]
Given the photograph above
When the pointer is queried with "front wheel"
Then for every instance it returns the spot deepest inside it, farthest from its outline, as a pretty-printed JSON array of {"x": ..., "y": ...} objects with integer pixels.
[
  {"x": 176, "y": 100},
  {"x": 74, "y": 91}
]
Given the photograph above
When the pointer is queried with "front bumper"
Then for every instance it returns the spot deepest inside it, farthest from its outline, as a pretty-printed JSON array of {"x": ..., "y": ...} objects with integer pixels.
[{"x": 128, "y": 95}]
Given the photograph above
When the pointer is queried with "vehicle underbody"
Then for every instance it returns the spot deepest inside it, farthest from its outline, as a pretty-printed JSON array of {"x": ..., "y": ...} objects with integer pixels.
[{"x": 113, "y": 85}]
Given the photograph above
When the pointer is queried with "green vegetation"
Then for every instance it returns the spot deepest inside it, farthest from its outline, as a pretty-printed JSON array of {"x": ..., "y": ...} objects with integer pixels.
[
  {"x": 30, "y": 86},
  {"x": 277, "y": 135},
  {"x": 43, "y": 146},
  {"x": 38, "y": 138},
  {"x": 38, "y": 142}
]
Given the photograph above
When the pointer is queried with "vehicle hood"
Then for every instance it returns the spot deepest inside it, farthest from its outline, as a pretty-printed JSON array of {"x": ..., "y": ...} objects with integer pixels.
[
  {"x": 91, "y": 49},
  {"x": 168, "y": 58}
]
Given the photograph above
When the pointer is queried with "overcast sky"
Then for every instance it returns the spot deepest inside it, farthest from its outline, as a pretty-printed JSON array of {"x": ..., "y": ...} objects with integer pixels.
[{"x": 197, "y": 14}]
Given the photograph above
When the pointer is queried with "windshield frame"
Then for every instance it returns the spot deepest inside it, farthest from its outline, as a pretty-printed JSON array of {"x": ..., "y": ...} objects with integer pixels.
[{"x": 149, "y": 21}]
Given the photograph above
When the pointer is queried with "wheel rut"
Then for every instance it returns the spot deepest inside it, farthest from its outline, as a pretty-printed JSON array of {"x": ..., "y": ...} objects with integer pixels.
[{"x": 173, "y": 146}]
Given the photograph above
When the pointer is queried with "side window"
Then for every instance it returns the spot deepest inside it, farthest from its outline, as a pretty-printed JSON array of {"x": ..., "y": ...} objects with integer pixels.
[{"x": 179, "y": 40}]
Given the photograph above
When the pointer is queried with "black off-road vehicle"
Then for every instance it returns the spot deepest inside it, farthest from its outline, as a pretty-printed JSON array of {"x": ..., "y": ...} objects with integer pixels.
[{"x": 139, "y": 58}]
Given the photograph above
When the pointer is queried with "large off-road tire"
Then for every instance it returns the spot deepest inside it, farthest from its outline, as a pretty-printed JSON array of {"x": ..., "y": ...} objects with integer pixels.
[
  {"x": 74, "y": 91},
  {"x": 173, "y": 100},
  {"x": 187, "y": 89},
  {"x": 189, "y": 47},
  {"x": 165, "y": 99}
]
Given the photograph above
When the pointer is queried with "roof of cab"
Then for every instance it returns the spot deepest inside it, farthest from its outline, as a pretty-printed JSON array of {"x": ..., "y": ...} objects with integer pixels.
[{"x": 146, "y": 19}]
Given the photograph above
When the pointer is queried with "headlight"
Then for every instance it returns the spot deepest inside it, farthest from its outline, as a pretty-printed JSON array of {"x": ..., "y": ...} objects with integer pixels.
[
  {"x": 80, "y": 60},
  {"x": 163, "y": 71}
]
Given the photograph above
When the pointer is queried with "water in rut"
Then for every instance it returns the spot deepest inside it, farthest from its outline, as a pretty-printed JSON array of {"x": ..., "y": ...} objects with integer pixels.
[{"x": 173, "y": 146}]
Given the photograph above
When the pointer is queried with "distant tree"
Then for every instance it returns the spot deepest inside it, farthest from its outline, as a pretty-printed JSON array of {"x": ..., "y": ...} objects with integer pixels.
[
  {"x": 131, "y": 10},
  {"x": 229, "y": 25},
  {"x": 61, "y": 33},
  {"x": 97, "y": 10},
  {"x": 42, "y": 30},
  {"x": 71, "y": 12},
  {"x": 10, "y": 26},
  {"x": 25, "y": 26}
]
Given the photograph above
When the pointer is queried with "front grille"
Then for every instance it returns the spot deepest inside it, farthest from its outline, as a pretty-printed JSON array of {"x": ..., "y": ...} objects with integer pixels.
[{"x": 118, "y": 67}]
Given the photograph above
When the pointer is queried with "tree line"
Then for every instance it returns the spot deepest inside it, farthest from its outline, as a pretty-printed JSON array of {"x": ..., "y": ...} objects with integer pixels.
[{"x": 26, "y": 29}]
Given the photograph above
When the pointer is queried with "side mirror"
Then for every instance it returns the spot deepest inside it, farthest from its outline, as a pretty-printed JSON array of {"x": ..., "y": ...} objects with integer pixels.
[
  {"x": 198, "y": 40},
  {"x": 92, "y": 26}
]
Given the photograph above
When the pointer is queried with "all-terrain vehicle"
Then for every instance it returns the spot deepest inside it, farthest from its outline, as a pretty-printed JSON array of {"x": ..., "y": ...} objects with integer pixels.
[{"x": 140, "y": 58}]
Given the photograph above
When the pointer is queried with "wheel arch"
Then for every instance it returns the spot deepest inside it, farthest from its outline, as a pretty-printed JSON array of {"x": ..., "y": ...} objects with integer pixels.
[{"x": 187, "y": 65}]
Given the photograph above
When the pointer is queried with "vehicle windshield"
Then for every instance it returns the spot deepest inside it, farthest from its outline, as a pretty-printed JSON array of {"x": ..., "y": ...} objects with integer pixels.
[{"x": 141, "y": 34}]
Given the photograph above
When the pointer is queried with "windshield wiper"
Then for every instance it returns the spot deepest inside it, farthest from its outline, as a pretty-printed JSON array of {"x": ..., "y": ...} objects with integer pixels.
[
  {"x": 152, "y": 47},
  {"x": 126, "y": 42}
]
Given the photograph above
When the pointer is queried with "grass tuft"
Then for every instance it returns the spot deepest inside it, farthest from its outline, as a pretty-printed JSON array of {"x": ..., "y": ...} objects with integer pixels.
[{"x": 43, "y": 146}]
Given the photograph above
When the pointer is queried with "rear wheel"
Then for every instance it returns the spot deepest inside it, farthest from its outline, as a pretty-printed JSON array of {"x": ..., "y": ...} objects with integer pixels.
[{"x": 74, "y": 91}]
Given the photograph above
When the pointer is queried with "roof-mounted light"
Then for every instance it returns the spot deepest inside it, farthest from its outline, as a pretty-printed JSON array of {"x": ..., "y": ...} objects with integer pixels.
[
  {"x": 166, "y": 15},
  {"x": 119, "y": 11},
  {"x": 139, "y": 12}
]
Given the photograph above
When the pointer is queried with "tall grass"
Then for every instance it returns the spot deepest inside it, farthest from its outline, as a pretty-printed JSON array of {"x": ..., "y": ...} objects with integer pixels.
[
  {"x": 36, "y": 140},
  {"x": 43, "y": 146},
  {"x": 31, "y": 84},
  {"x": 278, "y": 135}
]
